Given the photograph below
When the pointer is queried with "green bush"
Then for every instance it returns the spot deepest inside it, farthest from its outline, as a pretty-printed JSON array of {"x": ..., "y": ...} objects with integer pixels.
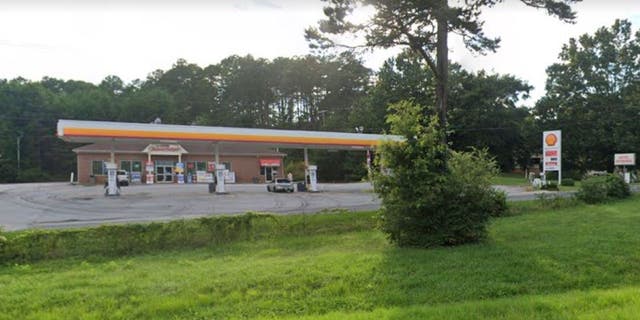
[
  {"x": 568, "y": 182},
  {"x": 297, "y": 170},
  {"x": 7, "y": 171},
  {"x": 3, "y": 241},
  {"x": 551, "y": 186},
  {"x": 431, "y": 196},
  {"x": 574, "y": 174},
  {"x": 33, "y": 175},
  {"x": 598, "y": 189}
]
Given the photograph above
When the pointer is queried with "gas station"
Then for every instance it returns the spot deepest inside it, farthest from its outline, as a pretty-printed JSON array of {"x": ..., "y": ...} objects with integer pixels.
[{"x": 162, "y": 153}]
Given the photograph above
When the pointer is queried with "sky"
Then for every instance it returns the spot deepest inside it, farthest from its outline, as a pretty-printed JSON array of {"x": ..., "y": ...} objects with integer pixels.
[{"x": 91, "y": 39}]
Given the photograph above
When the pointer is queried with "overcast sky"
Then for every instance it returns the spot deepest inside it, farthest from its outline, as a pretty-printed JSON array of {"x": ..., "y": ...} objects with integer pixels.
[{"x": 90, "y": 39}]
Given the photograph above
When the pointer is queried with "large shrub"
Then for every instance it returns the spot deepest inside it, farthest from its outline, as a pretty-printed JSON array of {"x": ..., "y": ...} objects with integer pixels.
[
  {"x": 33, "y": 175},
  {"x": 431, "y": 196},
  {"x": 7, "y": 171},
  {"x": 597, "y": 189}
]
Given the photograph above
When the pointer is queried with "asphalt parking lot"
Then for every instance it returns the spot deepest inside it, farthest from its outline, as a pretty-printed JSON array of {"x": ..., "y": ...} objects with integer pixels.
[
  {"x": 59, "y": 205},
  {"x": 56, "y": 205}
]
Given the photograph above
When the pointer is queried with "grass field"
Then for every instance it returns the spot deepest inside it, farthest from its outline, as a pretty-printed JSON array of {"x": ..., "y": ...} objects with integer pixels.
[
  {"x": 510, "y": 179},
  {"x": 580, "y": 262},
  {"x": 517, "y": 179}
]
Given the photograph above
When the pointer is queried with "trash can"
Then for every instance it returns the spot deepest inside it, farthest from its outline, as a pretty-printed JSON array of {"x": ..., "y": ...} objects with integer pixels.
[
  {"x": 212, "y": 187},
  {"x": 301, "y": 187}
]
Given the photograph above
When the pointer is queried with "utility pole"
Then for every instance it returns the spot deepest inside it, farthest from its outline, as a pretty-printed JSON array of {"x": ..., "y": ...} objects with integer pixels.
[{"x": 18, "y": 148}]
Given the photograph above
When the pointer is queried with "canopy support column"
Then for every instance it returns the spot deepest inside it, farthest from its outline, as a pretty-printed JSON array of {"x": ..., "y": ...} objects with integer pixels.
[
  {"x": 217, "y": 153},
  {"x": 112, "y": 154}
]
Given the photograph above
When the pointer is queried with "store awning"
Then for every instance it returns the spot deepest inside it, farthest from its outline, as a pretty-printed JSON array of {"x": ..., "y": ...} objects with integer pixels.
[{"x": 269, "y": 162}]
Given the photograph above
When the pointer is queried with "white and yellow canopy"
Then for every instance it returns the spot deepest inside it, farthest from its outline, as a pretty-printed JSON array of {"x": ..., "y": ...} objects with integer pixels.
[{"x": 102, "y": 131}]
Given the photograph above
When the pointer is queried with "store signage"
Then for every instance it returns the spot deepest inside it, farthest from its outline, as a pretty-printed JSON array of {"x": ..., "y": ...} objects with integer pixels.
[
  {"x": 179, "y": 167},
  {"x": 229, "y": 176},
  {"x": 269, "y": 162},
  {"x": 164, "y": 149},
  {"x": 552, "y": 150},
  {"x": 136, "y": 177},
  {"x": 204, "y": 177},
  {"x": 624, "y": 159},
  {"x": 149, "y": 166}
]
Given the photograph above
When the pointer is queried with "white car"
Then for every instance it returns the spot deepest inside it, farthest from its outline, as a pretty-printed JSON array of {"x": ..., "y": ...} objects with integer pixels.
[
  {"x": 280, "y": 185},
  {"x": 122, "y": 176}
]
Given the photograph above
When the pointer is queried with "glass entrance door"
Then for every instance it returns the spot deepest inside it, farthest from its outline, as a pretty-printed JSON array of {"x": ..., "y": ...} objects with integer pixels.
[
  {"x": 269, "y": 173},
  {"x": 164, "y": 171}
]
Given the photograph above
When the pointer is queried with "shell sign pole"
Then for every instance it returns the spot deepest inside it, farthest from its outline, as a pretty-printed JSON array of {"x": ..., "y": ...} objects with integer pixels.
[{"x": 552, "y": 152}]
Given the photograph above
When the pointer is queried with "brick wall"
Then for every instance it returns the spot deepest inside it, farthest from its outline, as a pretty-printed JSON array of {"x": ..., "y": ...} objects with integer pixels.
[{"x": 246, "y": 168}]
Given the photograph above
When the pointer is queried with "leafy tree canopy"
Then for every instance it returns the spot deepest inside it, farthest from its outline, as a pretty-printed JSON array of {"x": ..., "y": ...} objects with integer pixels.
[
  {"x": 592, "y": 95},
  {"x": 423, "y": 27}
]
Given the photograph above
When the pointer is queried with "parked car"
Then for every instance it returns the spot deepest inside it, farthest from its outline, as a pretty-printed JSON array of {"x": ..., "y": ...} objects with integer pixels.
[
  {"x": 280, "y": 185},
  {"x": 122, "y": 176}
]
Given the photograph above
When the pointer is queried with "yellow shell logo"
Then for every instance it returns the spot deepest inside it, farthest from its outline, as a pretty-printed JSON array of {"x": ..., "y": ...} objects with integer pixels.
[{"x": 551, "y": 140}]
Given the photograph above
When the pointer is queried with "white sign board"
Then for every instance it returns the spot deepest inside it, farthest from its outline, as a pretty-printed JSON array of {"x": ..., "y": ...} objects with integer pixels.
[
  {"x": 229, "y": 176},
  {"x": 624, "y": 159},
  {"x": 552, "y": 150},
  {"x": 204, "y": 177}
]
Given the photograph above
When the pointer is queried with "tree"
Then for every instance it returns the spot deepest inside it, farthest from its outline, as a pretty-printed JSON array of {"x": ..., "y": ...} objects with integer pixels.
[
  {"x": 483, "y": 111},
  {"x": 193, "y": 92},
  {"x": 484, "y": 115},
  {"x": 423, "y": 27},
  {"x": 301, "y": 92},
  {"x": 592, "y": 95},
  {"x": 421, "y": 205}
]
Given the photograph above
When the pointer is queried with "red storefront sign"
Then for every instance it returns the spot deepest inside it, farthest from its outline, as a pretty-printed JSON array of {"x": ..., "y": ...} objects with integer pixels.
[{"x": 269, "y": 162}]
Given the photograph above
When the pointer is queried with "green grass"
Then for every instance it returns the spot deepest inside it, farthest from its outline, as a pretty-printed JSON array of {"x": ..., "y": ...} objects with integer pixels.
[
  {"x": 576, "y": 262},
  {"x": 518, "y": 179},
  {"x": 510, "y": 179}
]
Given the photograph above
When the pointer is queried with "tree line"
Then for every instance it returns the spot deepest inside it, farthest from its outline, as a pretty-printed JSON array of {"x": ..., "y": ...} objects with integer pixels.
[{"x": 592, "y": 94}]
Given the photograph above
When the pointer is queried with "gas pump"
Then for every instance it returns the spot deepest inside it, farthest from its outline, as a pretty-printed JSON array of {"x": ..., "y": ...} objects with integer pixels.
[
  {"x": 112, "y": 180},
  {"x": 220, "y": 178},
  {"x": 313, "y": 178}
]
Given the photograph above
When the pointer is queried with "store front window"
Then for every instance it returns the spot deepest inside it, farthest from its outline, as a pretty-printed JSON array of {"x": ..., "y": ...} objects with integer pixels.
[
  {"x": 131, "y": 165},
  {"x": 269, "y": 168},
  {"x": 269, "y": 173},
  {"x": 164, "y": 171},
  {"x": 98, "y": 168}
]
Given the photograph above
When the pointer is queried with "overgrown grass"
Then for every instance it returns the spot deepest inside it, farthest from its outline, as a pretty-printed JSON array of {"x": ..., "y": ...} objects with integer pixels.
[
  {"x": 576, "y": 262},
  {"x": 137, "y": 238}
]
